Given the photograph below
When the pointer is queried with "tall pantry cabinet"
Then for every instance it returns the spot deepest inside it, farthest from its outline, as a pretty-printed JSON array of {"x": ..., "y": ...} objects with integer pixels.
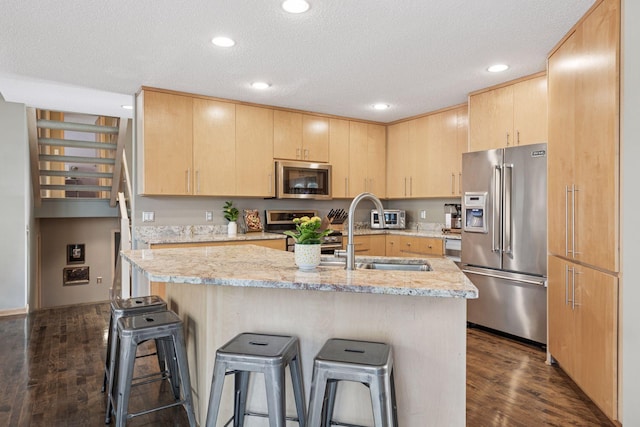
[{"x": 583, "y": 200}]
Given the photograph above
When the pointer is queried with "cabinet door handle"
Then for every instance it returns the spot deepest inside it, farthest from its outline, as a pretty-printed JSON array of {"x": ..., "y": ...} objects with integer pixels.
[
  {"x": 566, "y": 220},
  {"x": 297, "y": 153},
  {"x": 197, "y": 181},
  {"x": 306, "y": 153},
  {"x": 459, "y": 182},
  {"x": 517, "y": 137},
  {"x": 573, "y": 288},
  {"x": 410, "y": 186},
  {"x": 453, "y": 183},
  {"x": 405, "y": 185},
  {"x": 507, "y": 133},
  {"x": 187, "y": 177},
  {"x": 574, "y": 192},
  {"x": 566, "y": 284}
]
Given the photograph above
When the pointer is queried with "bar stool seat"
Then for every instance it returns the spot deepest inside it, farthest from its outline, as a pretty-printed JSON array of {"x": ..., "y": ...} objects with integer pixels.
[
  {"x": 370, "y": 363},
  {"x": 128, "y": 307},
  {"x": 167, "y": 329},
  {"x": 258, "y": 353}
]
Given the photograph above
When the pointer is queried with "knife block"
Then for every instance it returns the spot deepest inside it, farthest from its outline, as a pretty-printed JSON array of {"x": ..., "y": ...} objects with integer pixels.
[{"x": 326, "y": 223}]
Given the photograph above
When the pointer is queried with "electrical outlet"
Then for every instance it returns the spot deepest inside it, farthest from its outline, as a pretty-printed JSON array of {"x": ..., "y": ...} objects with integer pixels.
[
  {"x": 99, "y": 279},
  {"x": 208, "y": 215},
  {"x": 423, "y": 214},
  {"x": 148, "y": 216}
]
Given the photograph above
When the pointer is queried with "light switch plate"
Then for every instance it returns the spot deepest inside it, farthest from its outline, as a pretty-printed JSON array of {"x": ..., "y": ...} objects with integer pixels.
[
  {"x": 423, "y": 214},
  {"x": 148, "y": 216},
  {"x": 208, "y": 215}
]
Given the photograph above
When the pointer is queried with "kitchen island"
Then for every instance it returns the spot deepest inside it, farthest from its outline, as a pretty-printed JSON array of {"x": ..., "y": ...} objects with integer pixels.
[{"x": 222, "y": 291}]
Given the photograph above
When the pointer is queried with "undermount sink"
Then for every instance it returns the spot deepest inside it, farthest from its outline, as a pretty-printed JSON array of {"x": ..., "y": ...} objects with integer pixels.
[{"x": 397, "y": 265}]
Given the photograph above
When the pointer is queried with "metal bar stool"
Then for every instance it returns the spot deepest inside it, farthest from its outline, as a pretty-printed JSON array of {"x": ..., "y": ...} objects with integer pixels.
[
  {"x": 370, "y": 363},
  {"x": 267, "y": 354},
  {"x": 128, "y": 307},
  {"x": 166, "y": 328}
]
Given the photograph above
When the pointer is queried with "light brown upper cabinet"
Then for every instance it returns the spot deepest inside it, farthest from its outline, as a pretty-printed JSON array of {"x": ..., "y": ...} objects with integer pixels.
[
  {"x": 367, "y": 159},
  {"x": 399, "y": 153},
  {"x": 515, "y": 114},
  {"x": 298, "y": 136},
  {"x": 339, "y": 157},
  {"x": 584, "y": 144},
  {"x": 424, "y": 156},
  {"x": 214, "y": 148},
  {"x": 165, "y": 133},
  {"x": 254, "y": 152}
]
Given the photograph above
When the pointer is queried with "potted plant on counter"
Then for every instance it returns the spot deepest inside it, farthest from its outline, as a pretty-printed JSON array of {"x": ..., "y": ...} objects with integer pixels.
[
  {"x": 231, "y": 214},
  {"x": 308, "y": 237}
]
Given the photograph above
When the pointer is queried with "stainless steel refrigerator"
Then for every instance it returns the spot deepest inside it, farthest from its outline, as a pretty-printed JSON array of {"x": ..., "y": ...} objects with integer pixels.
[{"x": 504, "y": 238}]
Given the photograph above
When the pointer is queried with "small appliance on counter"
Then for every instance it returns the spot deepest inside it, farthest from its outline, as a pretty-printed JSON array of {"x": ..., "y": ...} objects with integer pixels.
[
  {"x": 452, "y": 218},
  {"x": 393, "y": 218}
]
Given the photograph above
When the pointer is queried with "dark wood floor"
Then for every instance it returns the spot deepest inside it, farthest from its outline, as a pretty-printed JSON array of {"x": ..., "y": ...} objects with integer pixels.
[{"x": 52, "y": 364}]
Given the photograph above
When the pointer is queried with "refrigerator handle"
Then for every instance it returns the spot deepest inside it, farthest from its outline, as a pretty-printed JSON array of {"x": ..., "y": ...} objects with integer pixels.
[
  {"x": 506, "y": 201},
  {"x": 497, "y": 195}
]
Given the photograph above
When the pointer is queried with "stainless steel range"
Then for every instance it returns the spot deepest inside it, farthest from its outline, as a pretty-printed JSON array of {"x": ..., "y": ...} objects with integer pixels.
[{"x": 281, "y": 221}]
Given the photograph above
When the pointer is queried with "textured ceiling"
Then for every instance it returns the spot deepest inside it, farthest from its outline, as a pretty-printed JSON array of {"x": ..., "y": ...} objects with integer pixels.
[{"x": 339, "y": 58}]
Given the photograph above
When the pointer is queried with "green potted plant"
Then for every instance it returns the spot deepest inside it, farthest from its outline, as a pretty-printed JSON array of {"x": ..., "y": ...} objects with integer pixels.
[
  {"x": 308, "y": 237},
  {"x": 231, "y": 214}
]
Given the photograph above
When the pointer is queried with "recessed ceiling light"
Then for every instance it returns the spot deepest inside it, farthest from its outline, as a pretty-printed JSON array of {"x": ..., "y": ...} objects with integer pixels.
[
  {"x": 127, "y": 107},
  {"x": 260, "y": 85},
  {"x": 381, "y": 106},
  {"x": 498, "y": 68},
  {"x": 295, "y": 6},
  {"x": 223, "y": 41}
]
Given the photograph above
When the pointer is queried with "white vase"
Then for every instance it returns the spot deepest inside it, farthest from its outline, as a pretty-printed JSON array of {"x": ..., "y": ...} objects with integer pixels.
[
  {"x": 232, "y": 228},
  {"x": 307, "y": 256}
]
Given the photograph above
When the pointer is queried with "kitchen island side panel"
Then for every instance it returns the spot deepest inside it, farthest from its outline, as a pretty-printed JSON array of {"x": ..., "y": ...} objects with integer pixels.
[{"x": 428, "y": 336}]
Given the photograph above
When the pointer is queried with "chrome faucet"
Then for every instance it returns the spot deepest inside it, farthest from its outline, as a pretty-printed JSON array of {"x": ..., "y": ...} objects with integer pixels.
[{"x": 351, "y": 257}]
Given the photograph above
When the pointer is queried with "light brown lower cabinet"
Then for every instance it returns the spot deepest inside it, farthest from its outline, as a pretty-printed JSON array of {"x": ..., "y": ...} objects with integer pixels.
[
  {"x": 583, "y": 329},
  {"x": 372, "y": 245},
  {"x": 159, "y": 288},
  {"x": 412, "y": 246}
]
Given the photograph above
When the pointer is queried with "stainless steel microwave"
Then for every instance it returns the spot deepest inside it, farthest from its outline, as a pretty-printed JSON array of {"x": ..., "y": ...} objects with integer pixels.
[
  {"x": 302, "y": 180},
  {"x": 393, "y": 218}
]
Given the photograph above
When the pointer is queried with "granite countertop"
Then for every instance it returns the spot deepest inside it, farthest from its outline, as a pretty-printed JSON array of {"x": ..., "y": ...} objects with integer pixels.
[{"x": 256, "y": 266}]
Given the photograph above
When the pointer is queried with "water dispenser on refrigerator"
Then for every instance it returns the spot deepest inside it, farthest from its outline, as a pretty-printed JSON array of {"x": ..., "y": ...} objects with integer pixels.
[{"x": 474, "y": 214}]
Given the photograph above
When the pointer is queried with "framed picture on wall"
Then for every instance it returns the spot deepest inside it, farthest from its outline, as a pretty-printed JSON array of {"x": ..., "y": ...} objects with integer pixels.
[
  {"x": 75, "y": 276},
  {"x": 75, "y": 253}
]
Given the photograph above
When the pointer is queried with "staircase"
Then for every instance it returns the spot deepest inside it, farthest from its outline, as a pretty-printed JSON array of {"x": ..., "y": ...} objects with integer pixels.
[
  {"x": 79, "y": 169},
  {"x": 77, "y": 157}
]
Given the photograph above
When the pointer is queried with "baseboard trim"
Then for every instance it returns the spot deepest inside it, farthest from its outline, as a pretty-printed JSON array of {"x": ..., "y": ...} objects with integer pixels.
[{"x": 14, "y": 311}]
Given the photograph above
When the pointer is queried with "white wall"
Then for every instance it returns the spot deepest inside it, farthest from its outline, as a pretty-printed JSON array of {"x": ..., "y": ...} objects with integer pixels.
[
  {"x": 16, "y": 200},
  {"x": 96, "y": 234},
  {"x": 630, "y": 295}
]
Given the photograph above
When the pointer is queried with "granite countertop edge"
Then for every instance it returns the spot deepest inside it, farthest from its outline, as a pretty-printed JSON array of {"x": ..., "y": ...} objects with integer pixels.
[
  {"x": 221, "y": 237},
  {"x": 272, "y": 268}
]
